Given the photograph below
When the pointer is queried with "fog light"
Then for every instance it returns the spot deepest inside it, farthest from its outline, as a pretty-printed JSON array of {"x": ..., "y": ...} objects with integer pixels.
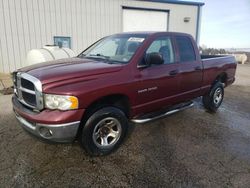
[{"x": 45, "y": 132}]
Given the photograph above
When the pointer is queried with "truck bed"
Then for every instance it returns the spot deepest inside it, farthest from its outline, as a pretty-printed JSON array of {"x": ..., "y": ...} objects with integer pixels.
[
  {"x": 214, "y": 65},
  {"x": 217, "y": 60},
  {"x": 213, "y": 56}
]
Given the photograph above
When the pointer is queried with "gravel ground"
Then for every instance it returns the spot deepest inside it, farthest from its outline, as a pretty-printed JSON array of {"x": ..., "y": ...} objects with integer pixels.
[{"x": 191, "y": 148}]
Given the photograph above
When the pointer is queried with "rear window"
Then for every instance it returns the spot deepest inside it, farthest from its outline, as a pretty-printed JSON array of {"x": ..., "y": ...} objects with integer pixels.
[{"x": 186, "y": 49}]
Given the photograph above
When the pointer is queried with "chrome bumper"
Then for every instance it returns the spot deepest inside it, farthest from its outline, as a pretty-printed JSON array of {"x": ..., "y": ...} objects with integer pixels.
[{"x": 56, "y": 132}]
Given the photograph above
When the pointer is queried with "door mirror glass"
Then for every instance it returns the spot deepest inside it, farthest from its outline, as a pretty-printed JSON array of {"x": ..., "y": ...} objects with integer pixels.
[{"x": 154, "y": 58}]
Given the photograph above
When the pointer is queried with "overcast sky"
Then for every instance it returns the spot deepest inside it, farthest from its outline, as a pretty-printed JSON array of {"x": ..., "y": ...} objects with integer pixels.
[{"x": 225, "y": 24}]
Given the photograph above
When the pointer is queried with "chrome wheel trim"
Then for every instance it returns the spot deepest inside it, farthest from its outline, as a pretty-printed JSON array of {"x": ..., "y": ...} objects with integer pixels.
[
  {"x": 107, "y": 132},
  {"x": 218, "y": 96}
]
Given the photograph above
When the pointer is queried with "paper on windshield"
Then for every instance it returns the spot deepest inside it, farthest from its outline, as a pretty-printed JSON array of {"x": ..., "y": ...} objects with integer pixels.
[{"x": 136, "y": 39}]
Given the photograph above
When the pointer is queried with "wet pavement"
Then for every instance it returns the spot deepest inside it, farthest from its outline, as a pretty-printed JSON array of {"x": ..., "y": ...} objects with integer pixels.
[{"x": 191, "y": 148}]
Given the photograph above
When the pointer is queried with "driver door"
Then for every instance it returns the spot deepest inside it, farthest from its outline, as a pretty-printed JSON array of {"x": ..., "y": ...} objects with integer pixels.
[{"x": 159, "y": 84}]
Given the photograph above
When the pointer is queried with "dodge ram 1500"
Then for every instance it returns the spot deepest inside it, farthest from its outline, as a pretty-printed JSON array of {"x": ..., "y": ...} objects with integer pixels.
[{"x": 128, "y": 77}]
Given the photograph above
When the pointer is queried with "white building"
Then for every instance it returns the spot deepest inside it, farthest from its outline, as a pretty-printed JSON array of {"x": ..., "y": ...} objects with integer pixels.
[{"x": 29, "y": 24}]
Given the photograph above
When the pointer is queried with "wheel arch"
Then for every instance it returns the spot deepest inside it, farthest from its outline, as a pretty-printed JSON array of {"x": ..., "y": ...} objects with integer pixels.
[
  {"x": 222, "y": 77},
  {"x": 120, "y": 101}
]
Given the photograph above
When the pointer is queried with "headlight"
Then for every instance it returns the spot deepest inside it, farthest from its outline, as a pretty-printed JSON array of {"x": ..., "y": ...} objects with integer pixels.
[
  {"x": 60, "y": 102},
  {"x": 13, "y": 76}
]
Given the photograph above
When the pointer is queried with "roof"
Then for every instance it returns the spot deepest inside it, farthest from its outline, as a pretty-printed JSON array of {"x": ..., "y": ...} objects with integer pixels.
[
  {"x": 181, "y": 2},
  {"x": 150, "y": 33}
]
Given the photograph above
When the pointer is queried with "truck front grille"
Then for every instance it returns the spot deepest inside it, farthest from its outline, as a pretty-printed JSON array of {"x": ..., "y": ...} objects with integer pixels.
[
  {"x": 29, "y": 98},
  {"x": 27, "y": 84},
  {"x": 28, "y": 90}
]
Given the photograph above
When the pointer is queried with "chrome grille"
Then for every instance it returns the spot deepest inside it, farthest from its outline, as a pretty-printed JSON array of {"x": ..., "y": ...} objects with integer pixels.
[
  {"x": 27, "y": 84},
  {"x": 29, "y": 98},
  {"x": 28, "y": 90}
]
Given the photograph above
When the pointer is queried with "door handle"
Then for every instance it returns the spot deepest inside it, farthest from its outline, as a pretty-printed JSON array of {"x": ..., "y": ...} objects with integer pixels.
[
  {"x": 198, "y": 68},
  {"x": 173, "y": 72}
]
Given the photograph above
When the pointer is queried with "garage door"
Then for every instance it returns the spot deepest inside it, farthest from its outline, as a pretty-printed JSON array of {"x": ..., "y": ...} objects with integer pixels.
[{"x": 144, "y": 20}]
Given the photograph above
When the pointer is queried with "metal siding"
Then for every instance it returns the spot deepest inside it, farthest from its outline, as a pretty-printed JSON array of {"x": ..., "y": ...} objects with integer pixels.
[
  {"x": 20, "y": 32},
  {"x": 37, "y": 23},
  {"x": 97, "y": 25},
  {"x": 28, "y": 24},
  {"x": 43, "y": 20},
  {"x": 52, "y": 18},
  {"x": 14, "y": 34},
  {"x": 68, "y": 16},
  {"x": 25, "y": 26},
  {"x": 178, "y": 2},
  {"x": 78, "y": 24},
  {"x": 84, "y": 24},
  {"x": 3, "y": 50},
  {"x": 74, "y": 21},
  {"x": 8, "y": 36},
  {"x": 94, "y": 27},
  {"x": 1, "y": 39},
  {"x": 1, "y": 57},
  {"x": 32, "y": 23}
]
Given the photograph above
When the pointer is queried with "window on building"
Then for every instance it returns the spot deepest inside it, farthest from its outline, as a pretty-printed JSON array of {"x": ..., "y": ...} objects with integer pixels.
[{"x": 62, "y": 42}]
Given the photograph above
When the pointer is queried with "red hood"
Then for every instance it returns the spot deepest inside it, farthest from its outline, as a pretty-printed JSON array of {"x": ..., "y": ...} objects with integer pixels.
[{"x": 69, "y": 68}]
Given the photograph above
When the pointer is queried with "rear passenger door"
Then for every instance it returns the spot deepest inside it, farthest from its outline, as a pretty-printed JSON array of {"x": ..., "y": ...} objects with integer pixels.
[{"x": 190, "y": 68}]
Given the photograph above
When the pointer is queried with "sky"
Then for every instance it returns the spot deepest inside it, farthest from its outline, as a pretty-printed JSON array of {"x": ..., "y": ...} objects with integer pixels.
[{"x": 225, "y": 24}]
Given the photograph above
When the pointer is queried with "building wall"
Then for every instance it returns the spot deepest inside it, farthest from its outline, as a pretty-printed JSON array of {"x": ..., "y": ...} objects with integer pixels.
[{"x": 29, "y": 24}]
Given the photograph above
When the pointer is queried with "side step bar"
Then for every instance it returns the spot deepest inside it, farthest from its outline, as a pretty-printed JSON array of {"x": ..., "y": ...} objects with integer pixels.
[{"x": 167, "y": 113}]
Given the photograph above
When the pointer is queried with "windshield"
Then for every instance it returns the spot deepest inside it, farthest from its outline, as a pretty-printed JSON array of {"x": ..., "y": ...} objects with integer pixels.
[{"x": 115, "y": 49}]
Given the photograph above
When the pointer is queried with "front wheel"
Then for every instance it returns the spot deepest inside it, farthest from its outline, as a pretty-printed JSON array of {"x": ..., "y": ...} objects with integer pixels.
[
  {"x": 104, "y": 131},
  {"x": 214, "y": 98}
]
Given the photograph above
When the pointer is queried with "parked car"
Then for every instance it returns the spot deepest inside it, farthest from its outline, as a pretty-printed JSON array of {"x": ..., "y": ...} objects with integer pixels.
[{"x": 127, "y": 77}]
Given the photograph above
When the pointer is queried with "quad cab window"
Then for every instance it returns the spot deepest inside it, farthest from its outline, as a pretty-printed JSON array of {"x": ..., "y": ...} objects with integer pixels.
[
  {"x": 186, "y": 49},
  {"x": 162, "y": 45}
]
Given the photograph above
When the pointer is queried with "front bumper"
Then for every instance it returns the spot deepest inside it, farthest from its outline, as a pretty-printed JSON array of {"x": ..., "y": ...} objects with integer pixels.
[
  {"x": 56, "y": 126},
  {"x": 56, "y": 132}
]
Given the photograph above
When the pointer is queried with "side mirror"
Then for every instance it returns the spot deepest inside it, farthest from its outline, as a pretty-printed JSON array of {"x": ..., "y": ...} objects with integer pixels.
[{"x": 154, "y": 58}]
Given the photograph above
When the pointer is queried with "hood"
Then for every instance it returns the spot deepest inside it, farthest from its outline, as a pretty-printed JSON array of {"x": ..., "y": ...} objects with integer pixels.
[{"x": 69, "y": 68}]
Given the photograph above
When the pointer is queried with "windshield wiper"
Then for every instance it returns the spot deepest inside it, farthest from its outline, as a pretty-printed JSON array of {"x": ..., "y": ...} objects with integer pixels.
[
  {"x": 107, "y": 58},
  {"x": 99, "y": 55}
]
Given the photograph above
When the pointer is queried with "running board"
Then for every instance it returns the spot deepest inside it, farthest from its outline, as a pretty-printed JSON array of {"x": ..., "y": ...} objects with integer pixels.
[{"x": 166, "y": 113}]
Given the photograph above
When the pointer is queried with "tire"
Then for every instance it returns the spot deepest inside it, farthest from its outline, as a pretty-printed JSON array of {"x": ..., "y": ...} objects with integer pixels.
[
  {"x": 214, "y": 98},
  {"x": 104, "y": 131}
]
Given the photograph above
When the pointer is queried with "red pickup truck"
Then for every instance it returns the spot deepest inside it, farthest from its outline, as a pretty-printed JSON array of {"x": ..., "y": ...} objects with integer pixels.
[{"x": 121, "y": 78}]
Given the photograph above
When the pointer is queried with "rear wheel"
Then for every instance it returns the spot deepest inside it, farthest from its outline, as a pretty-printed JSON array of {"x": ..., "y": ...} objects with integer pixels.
[
  {"x": 214, "y": 98},
  {"x": 104, "y": 131}
]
